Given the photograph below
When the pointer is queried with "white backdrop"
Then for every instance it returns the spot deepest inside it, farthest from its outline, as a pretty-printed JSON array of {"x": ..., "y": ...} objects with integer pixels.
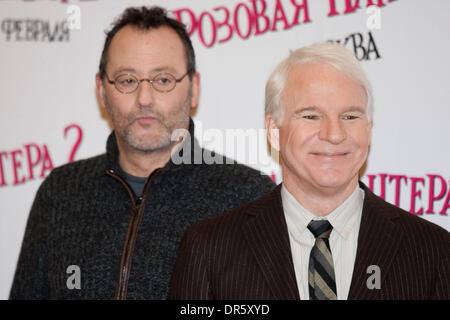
[{"x": 49, "y": 57}]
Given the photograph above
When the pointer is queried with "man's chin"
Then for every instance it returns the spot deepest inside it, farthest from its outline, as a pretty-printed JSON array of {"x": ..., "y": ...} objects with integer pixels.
[
  {"x": 149, "y": 143},
  {"x": 334, "y": 182}
]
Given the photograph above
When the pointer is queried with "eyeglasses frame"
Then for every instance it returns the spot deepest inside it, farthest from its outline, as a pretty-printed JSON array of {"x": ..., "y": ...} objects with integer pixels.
[{"x": 139, "y": 81}]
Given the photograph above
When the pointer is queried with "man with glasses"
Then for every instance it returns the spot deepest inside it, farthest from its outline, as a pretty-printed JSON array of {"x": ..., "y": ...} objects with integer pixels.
[{"x": 109, "y": 226}]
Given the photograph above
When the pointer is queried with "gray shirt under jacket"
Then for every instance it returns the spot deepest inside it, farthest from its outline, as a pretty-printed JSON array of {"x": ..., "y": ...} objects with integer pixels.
[{"x": 86, "y": 222}]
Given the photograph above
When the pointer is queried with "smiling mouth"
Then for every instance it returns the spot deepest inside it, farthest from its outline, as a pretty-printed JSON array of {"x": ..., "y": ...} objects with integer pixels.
[{"x": 330, "y": 154}]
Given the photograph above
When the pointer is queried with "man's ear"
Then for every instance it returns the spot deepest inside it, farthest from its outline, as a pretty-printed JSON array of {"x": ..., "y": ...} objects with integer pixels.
[
  {"x": 273, "y": 132},
  {"x": 100, "y": 90},
  {"x": 195, "y": 90}
]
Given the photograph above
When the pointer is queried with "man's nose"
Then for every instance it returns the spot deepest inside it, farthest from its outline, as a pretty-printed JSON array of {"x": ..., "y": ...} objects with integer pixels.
[
  {"x": 145, "y": 93},
  {"x": 333, "y": 131}
]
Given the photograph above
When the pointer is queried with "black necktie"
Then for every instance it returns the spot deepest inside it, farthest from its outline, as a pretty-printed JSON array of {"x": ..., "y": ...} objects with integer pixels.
[{"x": 322, "y": 282}]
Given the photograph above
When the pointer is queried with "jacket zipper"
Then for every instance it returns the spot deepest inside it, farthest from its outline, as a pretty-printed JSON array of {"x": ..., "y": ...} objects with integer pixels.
[{"x": 130, "y": 238}]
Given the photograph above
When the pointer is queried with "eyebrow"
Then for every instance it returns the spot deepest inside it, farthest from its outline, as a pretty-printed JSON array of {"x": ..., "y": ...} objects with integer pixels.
[
  {"x": 356, "y": 109},
  {"x": 164, "y": 69},
  {"x": 122, "y": 70},
  {"x": 156, "y": 70},
  {"x": 306, "y": 109},
  {"x": 315, "y": 108}
]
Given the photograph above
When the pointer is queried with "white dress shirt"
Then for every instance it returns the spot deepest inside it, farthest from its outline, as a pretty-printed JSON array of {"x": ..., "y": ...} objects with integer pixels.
[{"x": 345, "y": 220}]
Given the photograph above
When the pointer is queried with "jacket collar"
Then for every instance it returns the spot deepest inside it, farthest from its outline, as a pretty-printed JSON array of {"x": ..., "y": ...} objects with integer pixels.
[
  {"x": 378, "y": 242},
  {"x": 267, "y": 235},
  {"x": 268, "y": 239}
]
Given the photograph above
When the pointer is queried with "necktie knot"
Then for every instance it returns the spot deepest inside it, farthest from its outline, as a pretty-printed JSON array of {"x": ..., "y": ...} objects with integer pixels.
[{"x": 320, "y": 228}]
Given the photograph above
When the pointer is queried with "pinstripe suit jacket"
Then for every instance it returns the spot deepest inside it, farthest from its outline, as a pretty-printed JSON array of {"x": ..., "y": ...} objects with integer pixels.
[{"x": 245, "y": 254}]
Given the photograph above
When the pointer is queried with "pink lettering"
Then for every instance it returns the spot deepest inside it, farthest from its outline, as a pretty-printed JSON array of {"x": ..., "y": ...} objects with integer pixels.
[
  {"x": 77, "y": 141},
  {"x": 279, "y": 16},
  {"x": 249, "y": 19},
  {"x": 415, "y": 193},
  {"x": 299, "y": 7},
  {"x": 349, "y": 7},
  {"x": 383, "y": 185},
  {"x": 16, "y": 165},
  {"x": 379, "y": 4},
  {"x": 225, "y": 23},
  {"x": 258, "y": 15},
  {"x": 397, "y": 179},
  {"x": 431, "y": 197},
  {"x": 31, "y": 163},
  {"x": 333, "y": 10},
  {"x": 47, "y": 164},
  {"x": 213, "y": 29},
  {"x": 2, "y": 172},
  {"x": 371, "y": 180}
]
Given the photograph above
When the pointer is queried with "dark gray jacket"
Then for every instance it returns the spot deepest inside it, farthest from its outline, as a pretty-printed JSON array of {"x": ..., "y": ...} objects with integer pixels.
[{"x": 86, "y": 216}]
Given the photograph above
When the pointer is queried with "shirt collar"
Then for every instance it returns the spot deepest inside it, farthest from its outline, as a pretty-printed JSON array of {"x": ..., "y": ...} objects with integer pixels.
[{"x": 343, "y": 218}]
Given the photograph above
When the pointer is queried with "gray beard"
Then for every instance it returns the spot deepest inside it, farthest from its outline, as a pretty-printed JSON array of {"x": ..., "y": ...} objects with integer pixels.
[{"x": 162, "y": 141}]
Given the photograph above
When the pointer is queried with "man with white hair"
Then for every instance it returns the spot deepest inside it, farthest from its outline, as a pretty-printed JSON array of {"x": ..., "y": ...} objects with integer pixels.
[{"x": 321, "y": 234}]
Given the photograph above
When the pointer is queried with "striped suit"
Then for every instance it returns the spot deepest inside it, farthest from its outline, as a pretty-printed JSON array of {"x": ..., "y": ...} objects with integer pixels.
[{"x": 245, "y": 254}]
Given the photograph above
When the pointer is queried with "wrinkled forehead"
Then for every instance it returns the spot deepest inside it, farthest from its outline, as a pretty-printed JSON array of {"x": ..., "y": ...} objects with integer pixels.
[{"x": 322, "y": 83}]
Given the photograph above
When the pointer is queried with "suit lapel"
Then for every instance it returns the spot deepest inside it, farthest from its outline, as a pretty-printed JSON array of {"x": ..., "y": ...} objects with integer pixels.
[
  {"x": 267, "y": 236},
  {"x": 378, "y": 241}
]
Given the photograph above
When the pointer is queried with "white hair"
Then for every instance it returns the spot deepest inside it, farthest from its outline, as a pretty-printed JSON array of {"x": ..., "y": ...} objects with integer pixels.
[{"x": 333, "y": 54}]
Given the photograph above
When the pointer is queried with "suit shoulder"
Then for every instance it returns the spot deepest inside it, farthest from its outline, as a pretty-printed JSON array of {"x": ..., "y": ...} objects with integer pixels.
[
  {"x": 417, "y": 225},
  {"x": 416, "y": 228},
  {"x": 230, "y": 218}
]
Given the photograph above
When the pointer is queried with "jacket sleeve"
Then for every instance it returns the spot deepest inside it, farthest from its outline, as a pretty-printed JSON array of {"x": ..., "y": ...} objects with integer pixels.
[
  {"x": 30, "y": 280},
  {"x": 190, "y": 277}
]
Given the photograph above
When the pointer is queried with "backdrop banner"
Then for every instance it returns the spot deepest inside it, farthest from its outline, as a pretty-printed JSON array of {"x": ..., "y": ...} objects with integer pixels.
[{"x": 49, "y": 115}]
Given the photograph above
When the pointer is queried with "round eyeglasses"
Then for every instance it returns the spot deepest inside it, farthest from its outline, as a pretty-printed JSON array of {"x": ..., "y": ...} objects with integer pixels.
[{"x": 162, "y": 82}]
